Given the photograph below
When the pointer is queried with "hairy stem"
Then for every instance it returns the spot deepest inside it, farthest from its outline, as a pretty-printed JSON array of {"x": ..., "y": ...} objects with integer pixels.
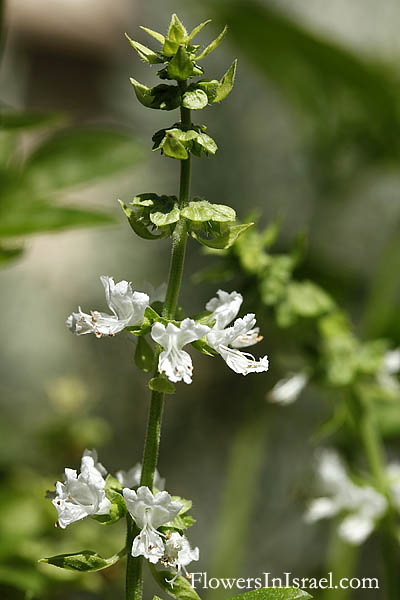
[{"x": 134, "y": 578}]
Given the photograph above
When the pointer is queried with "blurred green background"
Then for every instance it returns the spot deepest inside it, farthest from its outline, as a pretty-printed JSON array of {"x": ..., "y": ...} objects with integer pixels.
[{"x": 311, "y": 134}]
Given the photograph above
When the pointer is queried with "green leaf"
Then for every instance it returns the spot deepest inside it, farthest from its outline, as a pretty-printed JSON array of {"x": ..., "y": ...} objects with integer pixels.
[
  {"x": 11, "y": 120},
  {"x": 207, "y": 143},
  {"x": 226, "y": 83},
  {"x": 165, "y": 213},
  {"x": 145, "y": 53},
  {"x": 198, "y": 211},
  {"x": 197, "y": 30},
  {"x": 161, "y": 97},
  {"x": 213, "y": 44},
  {"x": 226, "y": 239},
  {"x": 308, "y": 299},
  {"x": 195, "y": 99},
  {"x": 180, "y": 67},
  {"x": 79, "y": 157},
  {"x": 273, "y": 594},
  {"x": 202, "y": 211},
  {"x": 181, "y": 588},
  {"x": 28, "y": 215},
  {"x": 186, "y": 504},
  {"x": 137, "y": 224},
  {"x": 84, "y": 561},
  {"x": 177, "y": 31},
  {"x": 161, "y": 384},
  {"x": 144, "y": 355},
  {"x": 173, "y": 148},
  {"x": 158, "y": 36}
]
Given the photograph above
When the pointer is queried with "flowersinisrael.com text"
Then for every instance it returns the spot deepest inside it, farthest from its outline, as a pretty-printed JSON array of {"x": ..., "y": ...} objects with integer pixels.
[{"x": 267, "y": 580}]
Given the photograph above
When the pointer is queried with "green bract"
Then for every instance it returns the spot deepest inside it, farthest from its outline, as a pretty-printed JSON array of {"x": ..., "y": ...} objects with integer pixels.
[
  {"x": 178, "y": 143},
  {"x": 86, "y": 561}
]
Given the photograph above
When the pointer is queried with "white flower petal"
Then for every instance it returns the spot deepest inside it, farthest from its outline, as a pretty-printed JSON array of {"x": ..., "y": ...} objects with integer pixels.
[
  {"x": 148, "y": 544},
  {"x": 287, "y": 390},
  {"x": 321, "y": 508},
  {"x": 242, "y": 362},
  {"x": 355, "y": 529},
  {"x": 224, "y": 307}
]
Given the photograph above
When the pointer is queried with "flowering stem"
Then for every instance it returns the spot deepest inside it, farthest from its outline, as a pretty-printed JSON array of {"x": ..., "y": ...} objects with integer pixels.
[
  {"x": 134, "y": 579},
  {"x": 375, "y": 454}
]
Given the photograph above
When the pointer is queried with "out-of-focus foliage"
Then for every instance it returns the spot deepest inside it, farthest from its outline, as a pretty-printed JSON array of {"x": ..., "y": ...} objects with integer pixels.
[
  {"x": 30, "y": 182},
  {"x": 26, "y": 514},
  {"x": 349, "y": 105}
]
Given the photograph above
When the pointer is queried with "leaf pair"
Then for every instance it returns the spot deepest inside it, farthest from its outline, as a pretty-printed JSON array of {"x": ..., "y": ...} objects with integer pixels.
[{"x": 177, "y": 143}]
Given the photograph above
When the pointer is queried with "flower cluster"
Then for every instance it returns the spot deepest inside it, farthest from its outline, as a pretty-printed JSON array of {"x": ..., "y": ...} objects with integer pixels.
[
  {"x": 219, "y": 330},
  {"x": 361, "y": 506},
  {"x": 87, "y": 494}
]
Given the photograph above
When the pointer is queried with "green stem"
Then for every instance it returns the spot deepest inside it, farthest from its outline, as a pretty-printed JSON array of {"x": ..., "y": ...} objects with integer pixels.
[
  {"x": 134, "y": 577},
  {"x": 376, "y": 458}
]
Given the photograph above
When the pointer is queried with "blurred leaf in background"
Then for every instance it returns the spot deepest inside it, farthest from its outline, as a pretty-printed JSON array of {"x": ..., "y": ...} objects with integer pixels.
[{"x": 60, "y": 160}]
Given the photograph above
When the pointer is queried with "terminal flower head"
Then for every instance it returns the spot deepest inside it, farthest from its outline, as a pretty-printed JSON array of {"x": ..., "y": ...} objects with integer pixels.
[
  {"x": 173, "y": 361},
  {"x": 287, "y": 390},
  {"x": 150, "y": 512},
  {"x": 131, "y": 478},
  {"x": 227, "y": 342},
  {"x": 81, "y": 495},
  {"x": 361, "y": 506},
  {"x": 178, "y": 554},
  {"x": 127, "y": 309}
]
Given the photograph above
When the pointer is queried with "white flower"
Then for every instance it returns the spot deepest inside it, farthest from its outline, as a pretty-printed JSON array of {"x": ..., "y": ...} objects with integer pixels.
[
  {"x": 393, "y": 474},
  {"x": 97, "y": 465},
  {"x": 150, "y": 512},
  {"x": 81, "y": 495},
  {"x": 224, "y": 307},
  {"x": 126, "y": 305},
  {"x": 226, "y": 342},
  {"x": 178, "y": 554},
  {"x": 388, "y": 371},
  {"x": 287, "y": 390},
  {"x": 362, "y": 506},
  {"x": 131, "y": 478},
  {"x": 173, "y": 361}
]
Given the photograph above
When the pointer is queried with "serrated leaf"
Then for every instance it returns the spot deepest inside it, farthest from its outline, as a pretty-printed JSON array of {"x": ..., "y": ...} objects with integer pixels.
[
  {"x": 137, "y": 225},
  {"x": 177, "y": 31},
  {"x": 144, "y": 355},
  {"x": 195, "y": 99},
  {"x": 158, "y": 36},
  {"x": 180, "y": 67},
  {"x": 226, "y": 83},
  {"x": 214, "y": 44},
  {"x": 79, "y": 156},
  {"x": 84, "y": 561},
  {"x": 145, "y": 53},
  {"x": 289, "y": 593},
  {"x": 225, "y": 240},
  {"x": 161, "y": 384},
  {"x": 181, "y": 588},
  {"x": 197, "y": 30}
]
